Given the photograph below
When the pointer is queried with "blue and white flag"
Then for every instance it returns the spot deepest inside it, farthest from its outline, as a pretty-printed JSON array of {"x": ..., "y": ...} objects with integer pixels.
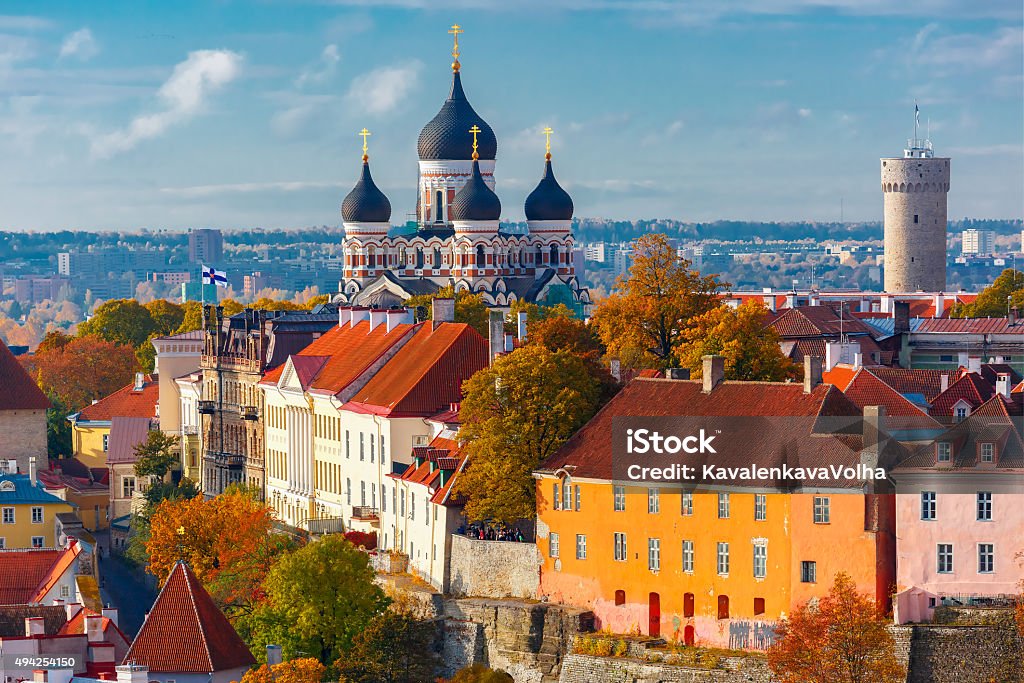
[
  {"x": 211, "y": 276},
  {"x": 917, "y": 114}
]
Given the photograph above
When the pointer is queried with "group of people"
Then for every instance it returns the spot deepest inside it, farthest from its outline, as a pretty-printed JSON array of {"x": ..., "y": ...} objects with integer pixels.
[{"x": 486, "y": 532}]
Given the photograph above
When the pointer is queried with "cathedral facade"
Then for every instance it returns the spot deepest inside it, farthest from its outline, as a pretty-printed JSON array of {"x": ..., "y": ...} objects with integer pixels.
[{"x": 457, "y": 240}]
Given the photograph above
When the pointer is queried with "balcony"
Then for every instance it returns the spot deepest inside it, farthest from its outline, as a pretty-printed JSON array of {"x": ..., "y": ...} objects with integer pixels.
[
  {"x": 365, "y": 513},
  {"x": 189, "y": 430},
  {"x": 325, "y": 525},
  {"x": 248, "y": 412},
  {"x": 207, "y": 407},
  {"x": 229, "y": 460}
]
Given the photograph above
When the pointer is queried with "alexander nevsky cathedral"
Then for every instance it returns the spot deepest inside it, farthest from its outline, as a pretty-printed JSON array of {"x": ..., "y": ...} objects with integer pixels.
[{"x": 457, "y": 239}]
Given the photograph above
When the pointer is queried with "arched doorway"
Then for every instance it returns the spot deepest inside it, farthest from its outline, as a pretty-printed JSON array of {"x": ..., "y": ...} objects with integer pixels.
[{"x": 654, "y": 614}]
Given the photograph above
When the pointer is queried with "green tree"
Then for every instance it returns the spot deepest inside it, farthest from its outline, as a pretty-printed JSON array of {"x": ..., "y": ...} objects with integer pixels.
[
  {"x": 58, "y": 429},
  {"x": 167, "y": 316},
  {"x": 122, "y": 321},
  {"x": 395, "y": 647},
  {"x": 643, "y": 322},
  {"x": 157, "y": 455},
  {"x": 469, "y": 308},
  {"x": 1006, "y": 291},
  {"x": 317, "y": 599},
  {"x": 517, "y": 413},
  {"x": 742, "y": 335}
]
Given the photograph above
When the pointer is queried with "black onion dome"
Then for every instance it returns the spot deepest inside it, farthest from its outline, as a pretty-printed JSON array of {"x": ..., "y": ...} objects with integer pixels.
[
  {"x": 548, "y": 201},
  {"x": 447, "y": 135},
  {"x": 366, "y": 203},
  {"x": 475, "y": 201}
]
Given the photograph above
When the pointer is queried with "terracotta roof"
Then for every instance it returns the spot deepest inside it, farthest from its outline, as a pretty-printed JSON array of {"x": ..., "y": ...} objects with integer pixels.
[
  {"x": 61, "y": 565},
  {"x": 125, "y": 402},
  {"x": 186, "y": 633},
  {"x": 12, "y": 619},
  {"x": 19, "y": 391},
  {"x": 25, "y": 573},
  {"x": 969, "y": 387},
  {"x": 444, "y": 454},
  {"x": 813, "y": 321},
  {"x": 125, "y": 434},
  {"x": 840, "y": 376},
  {"x": 590, "y": 449},
  {"x": 925, "y": 382},
  {"x": 866, "y": 389},
  {"x": 426, "y": 374},
  {"x": 970, "y": 326},
  {"x": 990, "y": 373},
  {"x": 992, "y": 422},
  {"x": 76, "y": 626}
]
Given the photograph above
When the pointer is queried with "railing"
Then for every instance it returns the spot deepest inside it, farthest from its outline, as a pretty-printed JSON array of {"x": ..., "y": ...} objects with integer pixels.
[
  {"x": 225, "y": 459},
  {"x": 365, "y": 513},
  {"x": 189, "y": 430},
  {"x": 325, "y": 525},
  {"x": 207, "y": 407},
  {"x": 248, "y": 412}
]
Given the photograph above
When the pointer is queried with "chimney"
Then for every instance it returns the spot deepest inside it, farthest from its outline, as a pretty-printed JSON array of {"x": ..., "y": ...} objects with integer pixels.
[
  {"x": 769, "y": 302},
  {"x": 71, "y": 609},
  {"x": 1011, "y": 317},
  {"x": 32, "y": 469},
  {"x": 510, "y": 343},
  {"x": 615, "y": 368},
  {"x": 812, "y": 373},
  {"x": 344, "y": 315},
  {"x": 974, "y": 364},
  {"x": 111, "y": 613},
  {"x": 678, "y": 373},
  {"x": 901, "y": 317},
  {"x": 874, "y": 430},
  {"x": 358, "y": 314},
  {"x": 943, "y": 382},
  {"x": 443, "y": 310},
  {"x": 132, "y": 673},
  {"x": 858, "y": 359},
  {"x": 714, "y": 372},
  {"x": 34, "y": 626},
  {"x": 496, "y": 332},
  {"x": 1003, "y": 384},
  {"x": 39, "y": 676},
  {"x": 377, "y": 318},
  {"x": 94, "y": 627},
  {"x": 274, "y": 655},
  {"x": 940, "y": 304},
  {"x": 521, "y": 326},
  {"x": 399, "y": 316},
  {"x": 140, "y": 381}
]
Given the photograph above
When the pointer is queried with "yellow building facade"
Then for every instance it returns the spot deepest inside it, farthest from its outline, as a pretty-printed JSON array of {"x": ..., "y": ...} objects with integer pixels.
[{"x": 28, "y": 514}]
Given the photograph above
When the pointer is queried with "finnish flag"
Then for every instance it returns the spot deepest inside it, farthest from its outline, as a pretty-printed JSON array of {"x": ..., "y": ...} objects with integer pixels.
[{"x": 211, "y": 276}]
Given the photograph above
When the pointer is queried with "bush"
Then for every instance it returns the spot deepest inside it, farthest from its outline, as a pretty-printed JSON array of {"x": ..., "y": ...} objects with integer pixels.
[{"x": 361, "y": 539}]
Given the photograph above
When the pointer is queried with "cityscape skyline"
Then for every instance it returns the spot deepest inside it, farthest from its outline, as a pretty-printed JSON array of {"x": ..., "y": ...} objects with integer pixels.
[{"x": 167, "y": 120}]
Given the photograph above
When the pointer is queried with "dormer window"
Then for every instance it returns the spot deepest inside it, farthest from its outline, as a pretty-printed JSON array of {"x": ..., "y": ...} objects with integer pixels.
[
  {"x": 987, "y": 452},
  {"x": 943, "y": 452},
  {"x": 961, "y": 412}
]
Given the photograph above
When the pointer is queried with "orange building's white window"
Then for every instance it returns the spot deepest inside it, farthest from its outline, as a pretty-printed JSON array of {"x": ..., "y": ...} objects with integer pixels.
[
  {"x": 760, "y": 560},
  {"x": 654, "y": 554},
  {"x": 620, "y": 498},
  {"x": 653, "y": 501},
  {"x": 760, "y": 507},
  {"x": 723, "y": 506},
  {"x": 723, "y": 559},
  {"x": 553, "y": 545},
  {"x": 555, "y": 497},
  {"x": 688, "y": 556},
  {"x": 822, "y": 513},
  {"x": 581, "y": 547},
  {"x": 687, "y": 505},
  {"x": 620, "y": 546}
]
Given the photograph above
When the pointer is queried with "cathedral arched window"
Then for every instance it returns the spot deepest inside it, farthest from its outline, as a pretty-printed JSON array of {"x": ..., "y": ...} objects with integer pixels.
[
  {"x": 480, "y": 258},
  {"x": 371, "y": 257},
  {"x": 419, "y": 258},
  {"x": 403, "y": 257},
  {"x": 554, "y": 254},
  {"x": 538, "y": 257},
  {"x": 439, "y": 206},
  {"x": 437, "y": 257}
]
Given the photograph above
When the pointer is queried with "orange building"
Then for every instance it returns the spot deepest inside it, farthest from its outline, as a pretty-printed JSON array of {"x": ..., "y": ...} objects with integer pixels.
[{"x": 715, "y": 565}]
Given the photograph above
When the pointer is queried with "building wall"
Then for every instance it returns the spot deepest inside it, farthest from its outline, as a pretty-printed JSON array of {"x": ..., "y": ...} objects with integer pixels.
[
  {"x": 24, "y": 436},
  {"x": 120, "y": 504},
  {"x": 87, "y": 441},
  {"x": 175, "y": 357},
  {"x": 494, "y": 569},
  {"x": 915, "y": 252},
  {"x": 20, "y": 533}
]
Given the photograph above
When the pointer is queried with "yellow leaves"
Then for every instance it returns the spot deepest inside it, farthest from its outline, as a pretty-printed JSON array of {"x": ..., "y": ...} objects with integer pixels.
[{"x": 305, "y": 670}]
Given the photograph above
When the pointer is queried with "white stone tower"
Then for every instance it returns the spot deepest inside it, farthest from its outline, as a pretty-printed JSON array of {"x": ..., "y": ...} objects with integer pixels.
[{"x": 915, "y": 188}]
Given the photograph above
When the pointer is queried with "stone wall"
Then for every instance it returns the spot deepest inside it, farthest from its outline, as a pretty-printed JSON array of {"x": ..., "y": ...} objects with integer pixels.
[
  {"x": 526, "y": 639},
  {"x": 493, "y": 569},
  {"x": 24, "y": 436},
  {"x": 935, "y": 653},
  {"x": 588, "y": 669}
]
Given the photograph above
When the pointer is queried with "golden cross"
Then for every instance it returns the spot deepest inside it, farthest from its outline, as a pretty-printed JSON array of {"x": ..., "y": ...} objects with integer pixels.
[
  {"x": 365, "y": 134},
  {"x": 455, "y": 30},
  {"x": 547, "y": 142},
  {"x": 474, "y": 130}
]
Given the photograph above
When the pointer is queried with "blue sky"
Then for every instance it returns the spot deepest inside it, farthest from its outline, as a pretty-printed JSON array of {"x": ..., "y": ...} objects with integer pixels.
[{"x": 118, "y": 115}]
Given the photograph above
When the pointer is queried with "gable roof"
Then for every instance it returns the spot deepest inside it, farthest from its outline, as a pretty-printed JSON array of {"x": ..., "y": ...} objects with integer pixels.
[
  {"x": 969, "y": 387},
  {"x": 76, "y": 626},
  {"x": 914, "y": 381},
  {"x": 12, "y": 619},
  {"x": 19, "y": 391},
  {"x": 125, "y": 402},
  {"x": 27, "y": 575},
  {"x": 992, "y": 422},
  {"x": 18, "y": 489},
  {"x": 426, "y": 374},
  {"x": 125, "y": 434},
  {"x": 815, "y": 321},
  {"x": 443, "y": 453},
  {"x": 866, "y": 389},
  {"x": 186, "y": 633},
  {"x": 63, "y": 563}
]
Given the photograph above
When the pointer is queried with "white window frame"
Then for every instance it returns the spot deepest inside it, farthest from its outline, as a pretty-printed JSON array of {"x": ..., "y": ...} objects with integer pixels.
[
  {"x": 553, "y": 543},
  {"x": 9, "y": 512},
  {"x": 944, "y": 558},
  {"x": 686, "y": 504},
  {"x": 760, "y": 507},
  {"x": 943, "y": 451},
  {"x": 581, "y": 547},
  {"x": 38, "y": 542},
  {"x": 619, "y": 498},
  {"x": 723, "y": 505},
  {"x": 983, "y": 506},
  {"x": 38, "y": 511},
  {"x": 760, "y": 560},
  {"x": 688, "y": 556},
  {"x": 654, "y": 554},
  {"x": 929, "y": 506},
  {"x": 620, "y": 546},
  {"x": 987, "y": 452},
  {"x": 653, "y": 500},
  {"x": 822, "y": 510},
  {"x": 986, "y": 551},
  {"x": 722, "y": 559}
]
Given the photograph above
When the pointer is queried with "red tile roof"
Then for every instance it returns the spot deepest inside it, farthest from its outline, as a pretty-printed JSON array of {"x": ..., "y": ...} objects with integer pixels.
[
  {"x": 868, "y": 390},
  {"x": 590, "y": 449},
  {"x": 57, "y": 570},
  {"x": 125, "y": 402},
  {"x": 813, "y": 321},
  {"x": 970, "y": 326},
  {"x": 26, "y": 575},
  {"x": 906, "y": 381},
  {"x": 19, "y": 391},
  {"x": 970, "y": 388},
  {"x": 186, "y": 633},
  {"x": 426, "y": 374},
  {"x": 992, "y": 422},
  {"x": 443, "y": 454},
  {"x": 76, "y": 626}
]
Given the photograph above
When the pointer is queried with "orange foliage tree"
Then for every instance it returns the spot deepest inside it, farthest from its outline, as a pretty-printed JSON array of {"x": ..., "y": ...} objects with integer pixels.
[
  {"x": 844, "y": 639},
  {"x": 304, "y": 670},
  {"x": 227, "y": 541},
  {"x": 78, "y": 370}
]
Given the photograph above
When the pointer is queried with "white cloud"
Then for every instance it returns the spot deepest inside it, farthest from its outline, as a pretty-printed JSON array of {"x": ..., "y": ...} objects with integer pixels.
[
  {"x": 970, "y": 51},
  {"x": 323, "y": 70},
  {"x": 15, "y": 49},
  {"x": 181, "y": 97},
  {"x": 23, "y": 23},
  {"x": 804, "y": 112},
  {"x": 81, "y": 45},
  {"x": 383, "y": 89}
]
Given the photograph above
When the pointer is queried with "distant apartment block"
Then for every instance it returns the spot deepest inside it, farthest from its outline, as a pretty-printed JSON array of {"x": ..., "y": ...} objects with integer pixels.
[
  {"x": 623, "y": 261},
  {"x": 177, "y": 277},
  {"x": 37, "y": 289},
  {"x": 977, "y": 242},
  {"x": 252, "y": 284},
  {"x": 597, "y": 251},
  {"x": 205, "y": 245}
]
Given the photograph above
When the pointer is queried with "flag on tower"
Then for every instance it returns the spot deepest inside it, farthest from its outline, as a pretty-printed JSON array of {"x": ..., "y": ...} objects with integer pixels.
[
  {"x": 211, "y": 276},
  {"x": 917, "y": 114}
]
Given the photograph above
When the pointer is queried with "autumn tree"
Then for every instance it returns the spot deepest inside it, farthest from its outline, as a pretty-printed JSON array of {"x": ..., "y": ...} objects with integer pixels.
[
  {"x": 317, "y": 300},
  {"x": 318, "y": 599},
  {"x": 515, "y": 414},
  {"x": 192, "y": 318},
  {"x": 167, "y": 316},
  {"x": 157, "y": 455},
  {"x": 395, "y": 647},
  {"x": 742, "y": 336},
  {"x": 469, "y": 308},
  {"x": 303, "y": 670},
  {"x": 231, "y": 307},
  {"x": 122, "y": 321},
  {"x": 478, "y": 673},
  {"x": 843, "y": 639},
  {"x": 227, "y": 541},
  {"x": 1005, "y": 292},
  {"x": 643, "y": 322},
  {"x": 77, "y": 371}
]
